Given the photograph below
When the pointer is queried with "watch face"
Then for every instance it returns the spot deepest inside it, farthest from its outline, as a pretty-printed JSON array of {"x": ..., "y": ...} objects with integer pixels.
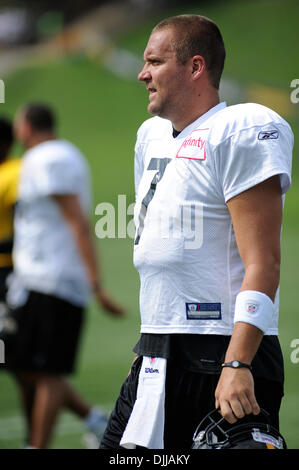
[{"x": 235, "y": 363}]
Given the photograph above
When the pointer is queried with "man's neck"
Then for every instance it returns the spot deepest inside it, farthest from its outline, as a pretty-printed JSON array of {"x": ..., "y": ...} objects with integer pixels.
[
  {"x": 39, "y": 139},
  {"x": 197, "y": 110}
]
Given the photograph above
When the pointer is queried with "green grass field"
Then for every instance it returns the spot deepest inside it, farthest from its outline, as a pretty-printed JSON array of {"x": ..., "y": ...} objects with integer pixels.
[{"x": 101, "y": 112}]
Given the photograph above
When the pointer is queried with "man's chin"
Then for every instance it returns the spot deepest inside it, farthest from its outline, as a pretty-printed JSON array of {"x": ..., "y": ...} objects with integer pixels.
[
  {"x": 154, "y": 110},
  {"x": 151, "y": 109}
]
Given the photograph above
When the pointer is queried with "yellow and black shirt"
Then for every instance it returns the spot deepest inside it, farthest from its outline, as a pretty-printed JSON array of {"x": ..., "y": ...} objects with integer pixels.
[{"x": 9, "y": 180}]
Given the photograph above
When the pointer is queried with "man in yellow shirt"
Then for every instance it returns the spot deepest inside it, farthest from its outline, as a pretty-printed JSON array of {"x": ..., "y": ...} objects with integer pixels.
[{"x": 9, "y": 177}]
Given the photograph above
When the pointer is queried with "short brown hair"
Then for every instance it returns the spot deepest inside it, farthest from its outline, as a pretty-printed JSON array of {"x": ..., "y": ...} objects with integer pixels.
[
  {"x": 40, "y": 116},
  {"x": 197, "y": 35}
]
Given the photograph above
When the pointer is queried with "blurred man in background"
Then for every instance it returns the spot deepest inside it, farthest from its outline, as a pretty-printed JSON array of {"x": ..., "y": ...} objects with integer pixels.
[
  {"x": 9, "y": 178},
  {"x": 55, "y": 268}
]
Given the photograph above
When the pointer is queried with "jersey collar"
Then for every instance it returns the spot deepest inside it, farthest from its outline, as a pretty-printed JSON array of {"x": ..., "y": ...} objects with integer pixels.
[{"x": 203, "y": 118}]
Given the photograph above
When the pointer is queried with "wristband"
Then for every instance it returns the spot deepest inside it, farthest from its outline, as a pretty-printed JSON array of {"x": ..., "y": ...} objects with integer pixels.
[
  {"x": 255, "y": 308},
  {"x": 236, "y": 365}
]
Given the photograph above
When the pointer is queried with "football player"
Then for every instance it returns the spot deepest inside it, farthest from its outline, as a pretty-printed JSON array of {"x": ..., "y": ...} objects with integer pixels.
[
  {"x": 210, "y": 184},
  {"x": 55, "y": 270}
]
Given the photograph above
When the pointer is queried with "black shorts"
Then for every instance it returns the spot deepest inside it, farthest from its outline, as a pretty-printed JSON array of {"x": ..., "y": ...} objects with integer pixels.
[
  {"x": 43, "y": 335},
  {"x": 189, "y": 396},
  {"x": 4, "y": 272}
]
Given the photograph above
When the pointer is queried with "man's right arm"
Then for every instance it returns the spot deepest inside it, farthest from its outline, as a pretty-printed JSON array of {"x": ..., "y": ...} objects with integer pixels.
[{"x": 71, "y": 209}]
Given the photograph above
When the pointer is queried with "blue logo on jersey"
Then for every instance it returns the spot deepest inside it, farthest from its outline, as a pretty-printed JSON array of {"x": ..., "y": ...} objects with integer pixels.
[{"x": 203, "y": 311}]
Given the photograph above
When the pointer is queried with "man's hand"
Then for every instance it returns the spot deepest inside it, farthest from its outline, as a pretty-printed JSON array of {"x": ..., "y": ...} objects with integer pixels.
[
  {"x": 108, "y": 304},
  {"x": 235, "y": 390},
  {"x": 235, "y": 394}
]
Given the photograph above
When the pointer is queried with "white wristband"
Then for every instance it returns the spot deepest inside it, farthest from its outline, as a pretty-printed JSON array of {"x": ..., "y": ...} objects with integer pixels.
[{"x": 255, "y": 308}]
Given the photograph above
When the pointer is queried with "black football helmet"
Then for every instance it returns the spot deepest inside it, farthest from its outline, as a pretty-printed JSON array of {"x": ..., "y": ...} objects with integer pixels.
[{"x": 214, "y": 432}]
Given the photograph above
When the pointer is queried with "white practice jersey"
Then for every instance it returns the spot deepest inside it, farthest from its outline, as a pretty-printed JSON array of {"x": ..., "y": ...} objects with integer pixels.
[
  {"x": 185, "y": 247},
  {"x": 46, "y": 258}
]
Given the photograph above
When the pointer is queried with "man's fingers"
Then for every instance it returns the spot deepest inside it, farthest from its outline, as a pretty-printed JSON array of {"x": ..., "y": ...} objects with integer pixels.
[
  {"x": 109, "y": 305},
  {"x": 227, "y": 412},
  {"x": 255, "y": 409},
  {"x": 246, "y": 405},
  {"x": 237, "y": 408},
  {"x": 234, "y": 395}
]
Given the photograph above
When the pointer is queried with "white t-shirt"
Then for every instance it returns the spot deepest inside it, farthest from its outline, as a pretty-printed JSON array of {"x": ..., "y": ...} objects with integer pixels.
[
  {"x": 46, "y": 258},
  {"x": 185, "y": 248}
]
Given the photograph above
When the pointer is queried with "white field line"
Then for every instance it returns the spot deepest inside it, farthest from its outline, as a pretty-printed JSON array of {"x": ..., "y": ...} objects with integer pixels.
[{"x": 14, "y": 427}]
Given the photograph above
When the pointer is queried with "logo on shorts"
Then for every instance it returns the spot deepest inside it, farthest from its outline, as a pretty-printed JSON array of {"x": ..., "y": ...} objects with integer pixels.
[
  {"x": 266, "y": 135},
  {"x": 151, "y": 370}
]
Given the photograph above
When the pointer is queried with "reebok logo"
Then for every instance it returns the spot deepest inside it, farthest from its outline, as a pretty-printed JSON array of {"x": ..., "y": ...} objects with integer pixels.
[{"x": 266, "y": 135}]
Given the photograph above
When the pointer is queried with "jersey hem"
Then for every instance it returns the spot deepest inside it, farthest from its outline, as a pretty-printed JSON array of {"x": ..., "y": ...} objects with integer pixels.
[
  {"x": 79, "y": 302},
  {"x": 183, "y": 329},
  {"x": 167, "y": 329}
]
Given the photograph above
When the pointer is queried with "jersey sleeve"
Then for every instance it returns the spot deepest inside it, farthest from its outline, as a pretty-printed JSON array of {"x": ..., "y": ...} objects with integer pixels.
[
  {"x": 254, "y": 154},
  {"x": 57, "y": 176}
]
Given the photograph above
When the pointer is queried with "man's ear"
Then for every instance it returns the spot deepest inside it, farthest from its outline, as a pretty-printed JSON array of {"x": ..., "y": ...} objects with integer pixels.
[{"x": 198, "y": 66}]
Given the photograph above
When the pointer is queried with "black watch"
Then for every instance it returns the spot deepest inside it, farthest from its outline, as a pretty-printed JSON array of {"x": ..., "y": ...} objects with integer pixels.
[{"x": 236, "y": 365}]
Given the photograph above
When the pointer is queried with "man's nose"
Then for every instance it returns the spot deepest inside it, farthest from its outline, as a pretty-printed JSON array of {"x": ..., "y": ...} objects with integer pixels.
[{"x": 144, "y": 74}]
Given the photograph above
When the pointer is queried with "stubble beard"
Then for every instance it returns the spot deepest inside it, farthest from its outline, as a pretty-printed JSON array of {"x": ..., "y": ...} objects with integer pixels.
[
  {"x": 161, "y": 109},
  {"x": 155, "y": 109}
]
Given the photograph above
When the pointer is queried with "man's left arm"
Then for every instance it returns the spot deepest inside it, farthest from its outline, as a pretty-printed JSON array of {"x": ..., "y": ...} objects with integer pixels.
[{"x": 256, "y": 216}]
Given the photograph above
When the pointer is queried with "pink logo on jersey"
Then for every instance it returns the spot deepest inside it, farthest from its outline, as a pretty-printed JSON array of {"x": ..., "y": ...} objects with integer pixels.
[{"x": 194, "y": 146}]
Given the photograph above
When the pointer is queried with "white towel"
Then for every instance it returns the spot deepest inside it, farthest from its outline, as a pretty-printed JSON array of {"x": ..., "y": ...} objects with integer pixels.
[{"x": 146, "y": 424}]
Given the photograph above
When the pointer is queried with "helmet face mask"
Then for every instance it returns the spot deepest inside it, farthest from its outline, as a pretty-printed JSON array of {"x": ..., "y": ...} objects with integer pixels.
[{"x": 214, "y": 432}]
